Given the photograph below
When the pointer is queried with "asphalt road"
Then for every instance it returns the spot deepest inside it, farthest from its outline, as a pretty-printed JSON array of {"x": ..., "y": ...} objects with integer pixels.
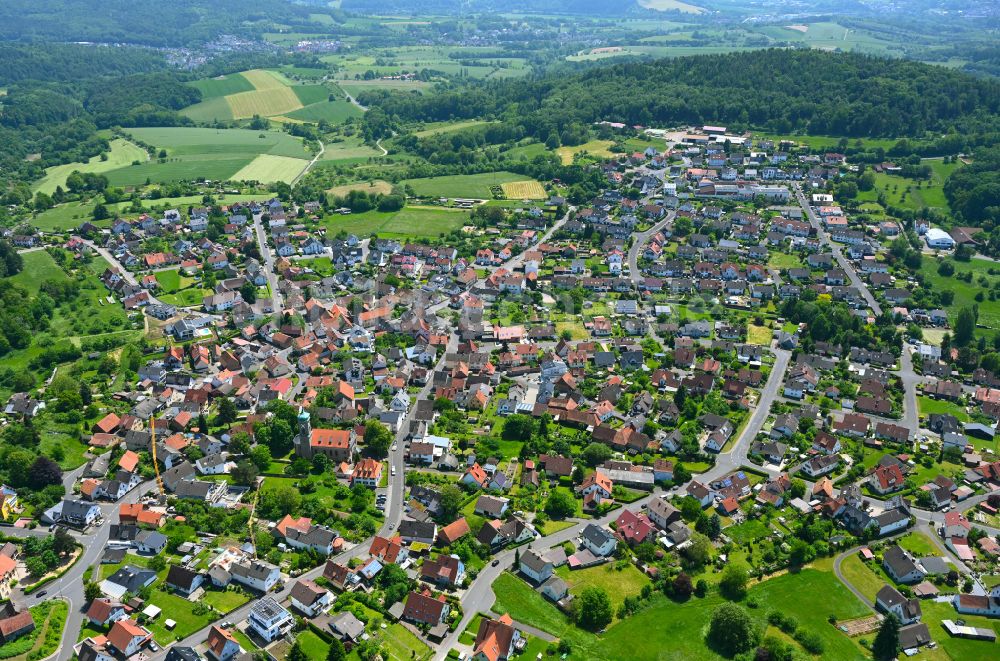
[
  {"x": 837, "y": 252},
  {"x": 639, "y": 243}
]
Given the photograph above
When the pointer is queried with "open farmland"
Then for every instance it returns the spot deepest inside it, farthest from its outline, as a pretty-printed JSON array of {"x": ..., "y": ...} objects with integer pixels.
[
  {"x": 409, "y": 222},
  {"x": 268, "y": 168},
  {"x": 203, "y": 153},
  {"x": 266, "y": 102},
  {"x": 671, "y": 5},
  {"x": 211, "y": 88},
  {"x": 329, "y": 111},
  {"x": 523, "y": 190},
  {"x": 267, "y": 94}
]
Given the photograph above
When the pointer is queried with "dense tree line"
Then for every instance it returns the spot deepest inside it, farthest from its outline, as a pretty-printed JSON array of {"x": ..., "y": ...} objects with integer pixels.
[
  {"x": 973, "y": 191},
  {"x": 147, "y": 22},
  {"x": 781, "y": 90},
  {"x": 66, "y": 63}
]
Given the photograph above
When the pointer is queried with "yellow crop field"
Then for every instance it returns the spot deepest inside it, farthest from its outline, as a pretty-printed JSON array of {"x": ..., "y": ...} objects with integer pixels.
[
  {"x": 372, "y": 188},
  {"x": 266, "y": 103},
  {"x": 271, "y": 96},
  {"x": 268, "y": 168},
  {"x": 524, "y": 190},
  {"x": 262, "y": 80}
]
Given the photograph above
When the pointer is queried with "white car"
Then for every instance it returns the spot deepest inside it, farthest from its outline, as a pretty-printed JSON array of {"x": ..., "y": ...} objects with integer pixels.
[{"x": 393, "y": 471}]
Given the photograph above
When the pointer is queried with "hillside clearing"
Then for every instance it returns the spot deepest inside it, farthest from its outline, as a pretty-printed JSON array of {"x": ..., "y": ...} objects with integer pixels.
[
  {"x": 467, "y": 185},
  {"x": 377, "y": 187},
  {"x": 122, "y": 153},
  {"x": 598, "y": 148}
]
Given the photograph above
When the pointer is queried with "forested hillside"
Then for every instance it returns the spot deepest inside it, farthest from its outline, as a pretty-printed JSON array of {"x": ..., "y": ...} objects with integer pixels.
[
  {"x": 782, "y": 90},
  {"x": 974, "y": 190},
  {"x": 147, "y": 22}
]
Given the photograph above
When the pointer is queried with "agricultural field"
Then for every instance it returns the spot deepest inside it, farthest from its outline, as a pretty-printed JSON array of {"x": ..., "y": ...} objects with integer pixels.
[
  {"x": 266, "y": 102},
  {"x": 596, "y": 148},
  {"x": 123, "y": 153},
  {"x": 355, "y": 87},
  {"x": 268, "y": 168},
  {"x": 523, "y": 190},
  {"x": 346, "y": 151},
  {"x": 268, "y": 94},
  {"x": 204, "y": 153},
  {"x": 468, "y": 185},
  {"x": 411, "y": 221},
  {"x": 831, "y": 36},
  {"x": 671, "y": 5},
  {"x": 211, "y": 88},
  {"x": 333, "y": 112}
]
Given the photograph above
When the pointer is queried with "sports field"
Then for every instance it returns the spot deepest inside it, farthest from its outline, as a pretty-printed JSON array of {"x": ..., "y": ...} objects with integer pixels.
[
  {"x": 523, "y": 190},
  {"x": 466, "y": 185},
  {"x": 268, "y": 168},
  {"x": 122, "y": 153}
]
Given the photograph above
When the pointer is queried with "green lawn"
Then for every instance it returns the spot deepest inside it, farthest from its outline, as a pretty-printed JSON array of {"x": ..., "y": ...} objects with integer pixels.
[
  {"x": 169, "y": 281},
  {"x": 179, "y": 610},
  {"x": 664, "y": 625},
  {"x": 627, "y": 582},
  {"x": 224, "y": 600},
  {"x": 928, "y": 405},
  {"x": 516, "y": 597},
  {"x": 919, "y": 545},
  {"x": 314, "y": 646},
  {"x": 244, "y": 640},
  {"x": 759, "y": 335},
  {"x": 402, "y": 644},
  {"x": 860, "y": 576},
  {"x": 467, "y": 185},
  {"x": 780, "y": 260},
  {"x": 959, "y": 649},
  {"x": 749, "y": 531}
]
